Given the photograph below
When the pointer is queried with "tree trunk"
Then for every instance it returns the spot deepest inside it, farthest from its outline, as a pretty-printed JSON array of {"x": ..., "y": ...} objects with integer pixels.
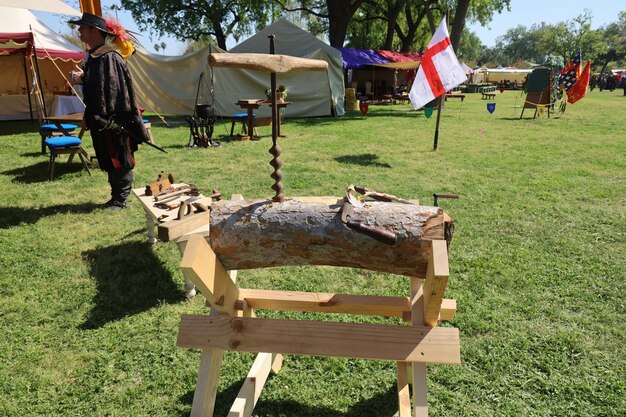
[
  {"x": 340, "y": 14},
  {"x": 220, "y": 36},
  {"x": 260, "y": 234},
  {"x": 459, "y": 23},
  {"x": 392, "y": 17}
]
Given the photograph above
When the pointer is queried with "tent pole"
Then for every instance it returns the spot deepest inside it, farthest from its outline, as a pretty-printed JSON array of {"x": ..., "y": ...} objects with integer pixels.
[
  {"x": 30, "y": 103},
  {"x": 441, "y": 98},
  {"x": 38, "y": 73}
]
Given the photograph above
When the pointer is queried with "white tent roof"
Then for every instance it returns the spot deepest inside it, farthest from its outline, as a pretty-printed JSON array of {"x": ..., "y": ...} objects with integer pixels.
[
  {"x": 14, "y": 20},
  {"x": 53, "y": 6}
]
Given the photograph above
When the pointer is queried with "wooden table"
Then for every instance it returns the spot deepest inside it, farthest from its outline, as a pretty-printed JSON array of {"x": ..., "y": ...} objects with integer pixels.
[
  {"x": 251, "y": 104},
  {"x": 156, "y": 216},
  {"x": 455, "y": 95},
  {"x": 73, "y": 118}
]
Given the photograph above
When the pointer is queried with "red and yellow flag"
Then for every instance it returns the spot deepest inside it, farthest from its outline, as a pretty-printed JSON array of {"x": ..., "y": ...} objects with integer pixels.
[{"x": 579, "y": 90}]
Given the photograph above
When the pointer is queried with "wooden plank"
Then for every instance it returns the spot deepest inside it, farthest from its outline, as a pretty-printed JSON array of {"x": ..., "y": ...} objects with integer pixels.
[
  {"x": 350, "y": 340},
  {"x": 182, "y": 241},
  {"x": 404, "y": 395},
  {"x": 418, "y": 380},
  {"x": 448, "y": 309},
  {"x": 325, "y": 302},
  {"x": 447, "y": 312},
  {"x": 436, "y": 282},
  {"x": 176, "y": 228},
  {"x": 206, "y": 385},
  {"x": 277, "y": 364},
  {"x": 201, "y": 266},
  {"x": 253, "y": 385}
]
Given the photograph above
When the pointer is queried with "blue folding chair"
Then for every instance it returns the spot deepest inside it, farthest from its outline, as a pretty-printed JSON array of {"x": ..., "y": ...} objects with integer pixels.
[
  {"x": 66, "y": 145},
  {"x": 49, "y": 130}
]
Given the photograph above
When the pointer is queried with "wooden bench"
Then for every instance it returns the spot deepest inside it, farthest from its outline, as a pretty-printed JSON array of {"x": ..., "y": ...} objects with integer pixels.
[
  {"x": 402, "y": 98},
  {"x": 455, "y": 95},
  {"x": 488, "y": 92}
]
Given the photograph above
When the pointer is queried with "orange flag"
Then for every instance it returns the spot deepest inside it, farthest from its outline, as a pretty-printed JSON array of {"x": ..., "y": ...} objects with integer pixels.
[{"x": 579, "y": 90}]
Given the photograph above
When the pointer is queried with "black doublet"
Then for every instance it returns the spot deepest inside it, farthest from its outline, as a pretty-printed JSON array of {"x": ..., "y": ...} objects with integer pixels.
[{"x": 108, "y": 90}]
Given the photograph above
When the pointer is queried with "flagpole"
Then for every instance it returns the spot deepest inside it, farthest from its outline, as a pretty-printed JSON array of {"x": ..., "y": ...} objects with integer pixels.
[
  {"x": 432, "y": 83},
  {"x": 441, "y": 99},
  {"x": 439, "y": 106}
]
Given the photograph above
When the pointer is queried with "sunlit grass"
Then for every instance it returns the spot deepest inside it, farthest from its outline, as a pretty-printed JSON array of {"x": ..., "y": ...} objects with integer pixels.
[{"x": 89, "y": 310}]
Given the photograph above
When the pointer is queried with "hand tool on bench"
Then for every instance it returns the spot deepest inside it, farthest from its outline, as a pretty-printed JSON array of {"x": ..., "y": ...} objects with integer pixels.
[
  {"x": 348, "y": 218},
  {"x": 375, "y": 195},
  {"x": 175, "y": 192}
]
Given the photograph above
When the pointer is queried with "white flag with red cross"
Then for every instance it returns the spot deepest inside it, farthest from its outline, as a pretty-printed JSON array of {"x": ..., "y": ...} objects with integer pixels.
[{"x": 439, "y": 72}]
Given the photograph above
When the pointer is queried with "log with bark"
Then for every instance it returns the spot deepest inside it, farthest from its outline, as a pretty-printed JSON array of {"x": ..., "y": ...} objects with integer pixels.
[{"x": 261, "y": 233}]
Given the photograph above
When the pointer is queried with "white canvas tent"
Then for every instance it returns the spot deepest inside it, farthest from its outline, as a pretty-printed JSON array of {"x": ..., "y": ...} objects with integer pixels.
[
  {"x": 169, "y": 84},
  {"x": 496, "y": 75},
  {"x": 52, "y": 6},
  {"x": 313, "y": 93},
  {"x": 18, "y": 29}
]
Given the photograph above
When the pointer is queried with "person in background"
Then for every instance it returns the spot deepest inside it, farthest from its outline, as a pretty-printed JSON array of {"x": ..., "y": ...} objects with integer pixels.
[{"x": 108, "y": 92}]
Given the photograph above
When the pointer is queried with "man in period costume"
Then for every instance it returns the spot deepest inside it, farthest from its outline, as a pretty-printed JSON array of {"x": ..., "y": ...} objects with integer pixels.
[{"x": 108, "y": 92}]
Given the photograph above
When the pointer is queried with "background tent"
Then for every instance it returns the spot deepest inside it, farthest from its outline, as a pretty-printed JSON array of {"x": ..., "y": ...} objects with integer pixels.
[
  {"x": 169, "y": 84},
  {"x": 52, "y": 6},
  {"x": 16, "y": 40},
  {"x": 375, "y": 72},
  {"x": 312, "y": 93},
  {"x": 497, "y": 75}
]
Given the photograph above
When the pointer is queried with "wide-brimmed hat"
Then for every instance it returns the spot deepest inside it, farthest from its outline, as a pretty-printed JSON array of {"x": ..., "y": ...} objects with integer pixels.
[{"x": 94, "y": 21}]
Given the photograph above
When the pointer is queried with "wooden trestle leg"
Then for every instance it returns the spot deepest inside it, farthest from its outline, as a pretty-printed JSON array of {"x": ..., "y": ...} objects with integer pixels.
[
  {"x": 232, "y": 325},
  {"x": 206, "y": 385},
  {"x": 426, "y": 310}
]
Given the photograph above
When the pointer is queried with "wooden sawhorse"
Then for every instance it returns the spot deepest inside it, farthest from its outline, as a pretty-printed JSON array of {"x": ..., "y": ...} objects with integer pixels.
[{"x": 232, "y": 325}]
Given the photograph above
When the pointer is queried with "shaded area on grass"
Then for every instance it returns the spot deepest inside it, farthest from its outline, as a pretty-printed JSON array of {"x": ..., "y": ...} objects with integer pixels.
[
  {"x": 33, "y": 155},
  {"x": 13, "y": 216},
  {"x": 380, "y": 405},
  {"x": 38, "y": 172},
  {"x": 223, "y": 400},
  {"x": 124, "y": 287},
  {"x": 19, "y": 127},
  {"x": 364, "y": 159}
]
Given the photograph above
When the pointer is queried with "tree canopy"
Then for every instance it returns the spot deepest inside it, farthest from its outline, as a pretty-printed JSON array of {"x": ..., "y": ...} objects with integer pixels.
[
  {"x": 201, "y": 20},
  {"x": 405, "y": 25},
  {"x": 561, "y": 39}
]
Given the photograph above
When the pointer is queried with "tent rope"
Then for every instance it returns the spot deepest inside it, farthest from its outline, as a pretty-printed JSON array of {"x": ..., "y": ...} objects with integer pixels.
[
  {"x": 59, "y": 69},
  {"x": 143, "y": 98}
]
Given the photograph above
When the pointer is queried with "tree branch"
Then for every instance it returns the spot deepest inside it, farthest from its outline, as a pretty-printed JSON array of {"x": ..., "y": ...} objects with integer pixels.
[{"x": 300, "y": 9}]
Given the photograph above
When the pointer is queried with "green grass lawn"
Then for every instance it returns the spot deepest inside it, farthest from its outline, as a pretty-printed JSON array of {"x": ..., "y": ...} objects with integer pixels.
[{"x": 89, "y": 310}]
